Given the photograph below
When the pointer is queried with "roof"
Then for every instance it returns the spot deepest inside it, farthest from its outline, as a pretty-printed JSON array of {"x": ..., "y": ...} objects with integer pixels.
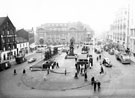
[
  {"x": 81, "y": 56},
  {"x": 2, "y": 20},
  {"x": 20, "y": 40},
  {"x": 23, "y": 33}
]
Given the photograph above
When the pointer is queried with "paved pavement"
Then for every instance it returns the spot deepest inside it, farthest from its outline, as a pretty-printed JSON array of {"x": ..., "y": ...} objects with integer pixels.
[{"x": 58, "y": 85}]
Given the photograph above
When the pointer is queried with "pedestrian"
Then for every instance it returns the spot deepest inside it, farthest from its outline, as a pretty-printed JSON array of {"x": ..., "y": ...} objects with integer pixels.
[
  {"x": 48, "y": 71},
  {"x": 76, "y": 66},
  {"x": 76, "y": 75},
  {"x": 85, "y": 68},
  {"x": 100, "y": 56},
  {"x": 85, "y": 76},
  {"x": 53, "y": 66},
  {"x": 95, "y": 84},
  {"x": 102, "y": 70},
  {"x": 65, "y": 72},
  {"x": 92, "y": 80},
  {"x": 91, "y": 61},
  {"x": 78, "y": 69},
  {"x": 81, "y": 69},
  {"x": 87, "y": 55},
  {"x": 24, "y": 71},
  {"x": 99, "y": 85},
  {"x": 75, "y": 59},
  {"x": 57, "y": 65},
  {"x": 15, "y": 72},
  {"x": 97, "y": 58}
]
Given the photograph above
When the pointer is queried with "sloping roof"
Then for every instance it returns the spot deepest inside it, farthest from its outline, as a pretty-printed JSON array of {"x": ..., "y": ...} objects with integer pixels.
[
  {"x": 23, "y": 33},
  {"x": 20, "y": 40},
  {"x": 31, "y": 40},
  {"x": 2, "y": 20}
]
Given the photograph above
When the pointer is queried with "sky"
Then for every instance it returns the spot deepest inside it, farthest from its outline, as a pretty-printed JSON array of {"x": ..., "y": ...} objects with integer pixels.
[{"x": 98, "y": 14}]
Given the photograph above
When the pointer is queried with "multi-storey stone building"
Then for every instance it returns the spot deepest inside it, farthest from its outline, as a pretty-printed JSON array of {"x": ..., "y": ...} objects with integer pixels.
[
  {"x": 61, "y": 33},
  {"x": 7, "y": 39},
  {"x": 123, "y": 28},
  {"x": 120, "y": 27}
]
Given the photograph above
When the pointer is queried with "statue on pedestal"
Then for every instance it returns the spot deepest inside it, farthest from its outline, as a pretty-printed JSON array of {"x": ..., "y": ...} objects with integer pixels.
[
  {"x": 70, "y": 53},
  {"x": 71, "y": 47}
]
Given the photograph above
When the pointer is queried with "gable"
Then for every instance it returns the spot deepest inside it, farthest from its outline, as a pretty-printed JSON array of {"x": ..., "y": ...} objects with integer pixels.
[{"x": 3, "y": 21}]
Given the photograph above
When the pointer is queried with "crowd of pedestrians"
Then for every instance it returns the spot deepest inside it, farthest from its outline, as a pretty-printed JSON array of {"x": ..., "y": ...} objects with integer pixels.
[{"x": 82, "y": 70}]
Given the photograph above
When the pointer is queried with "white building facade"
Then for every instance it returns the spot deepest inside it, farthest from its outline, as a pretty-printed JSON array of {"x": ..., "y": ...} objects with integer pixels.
[
  {"x": 61, "y": 33},
  {"x": 132, "y": 28},
  {"x": 23, "y": 46},
  {"x": 123, "y": 28},
  {"x": 120, "y": 28}
]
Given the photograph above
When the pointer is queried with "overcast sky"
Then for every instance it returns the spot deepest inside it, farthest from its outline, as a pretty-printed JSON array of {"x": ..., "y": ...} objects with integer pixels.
[{"x": 98, "y": 14}]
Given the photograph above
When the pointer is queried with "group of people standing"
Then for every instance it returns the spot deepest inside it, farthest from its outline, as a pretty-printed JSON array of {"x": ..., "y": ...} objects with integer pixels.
[
  {"x": 96, "y": 84},
  {"x": 82, "y": 69},
  {"x": 55, "y": 64}
]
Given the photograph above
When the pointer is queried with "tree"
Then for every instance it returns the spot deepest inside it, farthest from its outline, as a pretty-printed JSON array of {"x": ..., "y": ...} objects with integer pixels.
[{"x": 41, "y": 41}]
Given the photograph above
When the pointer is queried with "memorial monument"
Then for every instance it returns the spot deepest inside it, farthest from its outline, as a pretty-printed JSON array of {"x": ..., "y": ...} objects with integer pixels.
[{"x": 70, "y": 53}]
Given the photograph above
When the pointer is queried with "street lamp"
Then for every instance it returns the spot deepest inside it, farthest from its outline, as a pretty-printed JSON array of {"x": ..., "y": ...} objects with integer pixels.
[{"x": 0, "y": 55}]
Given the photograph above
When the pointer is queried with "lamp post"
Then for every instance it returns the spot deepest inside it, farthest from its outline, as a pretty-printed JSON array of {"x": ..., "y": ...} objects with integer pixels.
[{"x": 0, "y": 55}]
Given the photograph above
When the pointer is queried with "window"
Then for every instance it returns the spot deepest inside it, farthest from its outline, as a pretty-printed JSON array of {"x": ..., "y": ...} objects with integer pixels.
[
  {"x": 3, "y": 32},
  {"x": 3, "y": 40},
  {"x": 11, "y": 32},
  {"x": 4, "y": 48},
  {"x": 7, "y": 32}
]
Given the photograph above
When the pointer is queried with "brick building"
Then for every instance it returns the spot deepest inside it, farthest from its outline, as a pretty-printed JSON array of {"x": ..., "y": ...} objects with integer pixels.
[
  {"x": 22, "y": 41},
  {"x": 7, "y": 39}
]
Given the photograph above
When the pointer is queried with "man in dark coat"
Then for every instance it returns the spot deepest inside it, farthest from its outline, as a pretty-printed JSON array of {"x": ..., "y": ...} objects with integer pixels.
[
  {"x": 24, "y": 71},
  {"x": 92, "y": 80},
  {"x": 76, "y": 59},
  {"x": 85, "y": 76},
  {"x": 95, "y": 84},
  {"x": 97, "y": 58},
  {"x": 99, "y": 85},
  {"x": 57, "y": 65},
  {"x": 102, "y": 70},
  {"x": 91, "y": 61},
  {"x": 76, "y": 75}
]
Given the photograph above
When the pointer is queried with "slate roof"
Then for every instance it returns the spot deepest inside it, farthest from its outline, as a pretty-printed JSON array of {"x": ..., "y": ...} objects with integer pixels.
[
  {"x": 23, "y": 33},
  {"x": 20, "y": 40},
  {"x": 2, "y": 20}
]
